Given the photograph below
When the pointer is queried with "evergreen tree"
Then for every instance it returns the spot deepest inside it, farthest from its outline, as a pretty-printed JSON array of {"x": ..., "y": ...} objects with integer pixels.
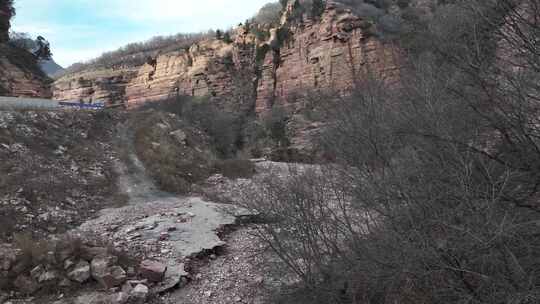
[
  {"x": 43, "y": 51},
  {"x": 6, "y": 7},
  {"x": 317, "y": 8},
  {"x": 227, "y": 37}
]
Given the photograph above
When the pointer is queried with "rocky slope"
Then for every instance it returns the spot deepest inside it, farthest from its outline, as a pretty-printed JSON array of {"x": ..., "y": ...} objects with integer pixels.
[{"x": 328, "y": 53}]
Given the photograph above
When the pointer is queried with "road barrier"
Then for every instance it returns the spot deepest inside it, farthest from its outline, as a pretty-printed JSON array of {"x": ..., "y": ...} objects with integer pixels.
[
  {"x": 89, "y": 106},
  {"x": 22, "y": 103}
]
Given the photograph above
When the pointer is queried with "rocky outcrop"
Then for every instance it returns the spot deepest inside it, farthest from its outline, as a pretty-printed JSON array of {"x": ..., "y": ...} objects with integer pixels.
[
  {"x": 330, "y": 53},
  {"x": 20, "y": 74},
  {"x": 107, "y": 86},
  {"x": 333, "y": 53},
  {"x": 206, "y": 68}
]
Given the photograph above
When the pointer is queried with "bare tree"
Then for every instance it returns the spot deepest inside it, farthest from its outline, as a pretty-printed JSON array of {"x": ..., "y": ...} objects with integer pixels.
[{"x": 433, "y": 197}]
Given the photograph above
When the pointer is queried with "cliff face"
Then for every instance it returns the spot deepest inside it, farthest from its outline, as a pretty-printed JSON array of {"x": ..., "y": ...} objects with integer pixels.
[
  {"x": 20, "y": 74},
  {"x": 330, "y": 53},
  {"x": 206, "y": 68},
  {"x": 91, "y": 86}
]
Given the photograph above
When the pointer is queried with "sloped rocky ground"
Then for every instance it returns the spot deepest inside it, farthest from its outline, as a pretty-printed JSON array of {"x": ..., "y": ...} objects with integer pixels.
[
  {"x": 127, "y": 241},
  {"x": 55, "y": 170}
]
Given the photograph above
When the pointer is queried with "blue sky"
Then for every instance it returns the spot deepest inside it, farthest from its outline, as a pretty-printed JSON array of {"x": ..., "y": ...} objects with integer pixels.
[{"x": 79, "y": 30}]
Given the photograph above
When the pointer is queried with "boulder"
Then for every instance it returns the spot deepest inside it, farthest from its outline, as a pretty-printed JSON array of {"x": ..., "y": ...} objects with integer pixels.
[
  {"x": 180, "y": 136},
  {"x": 175, "y": 276},
  {"x": 120, "y": 298},
  {"x": 104, "y": 271},
  {"x": 152, "y": 270},
  {"x": 68, "y": 263},
  {"x": 37, "y": 271},
  {"x": 139, "y": 294},
  {"x": 89, "y": 253},
  {"x": 49, "y": 277},
  {"x": 80, "y": 273}
]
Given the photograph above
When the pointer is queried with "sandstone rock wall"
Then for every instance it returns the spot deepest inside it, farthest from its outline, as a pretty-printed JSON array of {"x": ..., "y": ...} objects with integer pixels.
[
  {"x": 334, "y": 53},
  {"x": 331, "y": 53},
  {"x": 207, "y": 68},
  {"x": 95, "y": 86}
]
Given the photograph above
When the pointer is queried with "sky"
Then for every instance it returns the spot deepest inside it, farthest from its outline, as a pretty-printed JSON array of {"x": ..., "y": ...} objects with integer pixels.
[{"x": 79, "y": 30}]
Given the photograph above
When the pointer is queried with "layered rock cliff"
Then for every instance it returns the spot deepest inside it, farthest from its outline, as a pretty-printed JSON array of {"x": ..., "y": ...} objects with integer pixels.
[
  {"x": 206, "y": 68},
  {"x": 329, "y": 53}
]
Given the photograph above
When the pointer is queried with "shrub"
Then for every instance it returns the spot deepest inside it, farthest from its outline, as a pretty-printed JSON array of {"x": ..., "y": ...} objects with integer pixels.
[
  {"x": 275, "y": 124},
  {"x": 222, "y": 127},
  {"x": 317, "y": 8},
  {"x": 269, "y": 14},
  {"x": 433, "y": 195},
  {"x": 174, "y": 165},
  {"x": 235, "y": 168},
  {"x": 261, "y": 52}
]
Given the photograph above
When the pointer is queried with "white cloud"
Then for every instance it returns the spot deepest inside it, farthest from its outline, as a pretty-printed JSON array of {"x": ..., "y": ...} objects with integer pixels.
[
  {"x": 171, "y": 10},
  {"x": 65, "y": 57},
  {"x": 80, "y": 30}
]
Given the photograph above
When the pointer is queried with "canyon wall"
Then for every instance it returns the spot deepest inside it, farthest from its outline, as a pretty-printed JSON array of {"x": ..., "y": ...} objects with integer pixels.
[
  {"x": 206, "y": 68},
  {"x": 330, "y": 53},
  {"x": 333, "y": 53}
]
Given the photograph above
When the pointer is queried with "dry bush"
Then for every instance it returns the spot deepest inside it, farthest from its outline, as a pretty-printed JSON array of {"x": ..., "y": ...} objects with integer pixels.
[
  {"x": 235, "y": 168},
  {"x": 434, "y": 194},
  {"x": 222, "y": 127},
  {"x": 174, "y": 166}
]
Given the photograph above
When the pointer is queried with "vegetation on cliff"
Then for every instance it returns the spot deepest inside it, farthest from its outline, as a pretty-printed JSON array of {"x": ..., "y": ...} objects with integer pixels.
[{"x": 137, "y": 53}]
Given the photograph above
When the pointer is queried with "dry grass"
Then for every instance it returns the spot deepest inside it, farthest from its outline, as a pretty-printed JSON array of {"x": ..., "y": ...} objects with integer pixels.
[{"x": 235, "y": 168}]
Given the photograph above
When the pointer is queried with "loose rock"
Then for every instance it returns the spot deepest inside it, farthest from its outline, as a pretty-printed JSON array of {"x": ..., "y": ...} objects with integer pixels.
[
  {"x": 81, "y": 272},
  {"x": 152, "y": 270}
]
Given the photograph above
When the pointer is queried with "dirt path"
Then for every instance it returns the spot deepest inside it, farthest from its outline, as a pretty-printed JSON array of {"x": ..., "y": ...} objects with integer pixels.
[{"x": 160, "y": 225}]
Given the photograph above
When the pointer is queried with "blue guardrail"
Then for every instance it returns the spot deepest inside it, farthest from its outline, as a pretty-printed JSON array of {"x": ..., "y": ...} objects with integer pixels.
[{"x": 93, "y": 106}]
